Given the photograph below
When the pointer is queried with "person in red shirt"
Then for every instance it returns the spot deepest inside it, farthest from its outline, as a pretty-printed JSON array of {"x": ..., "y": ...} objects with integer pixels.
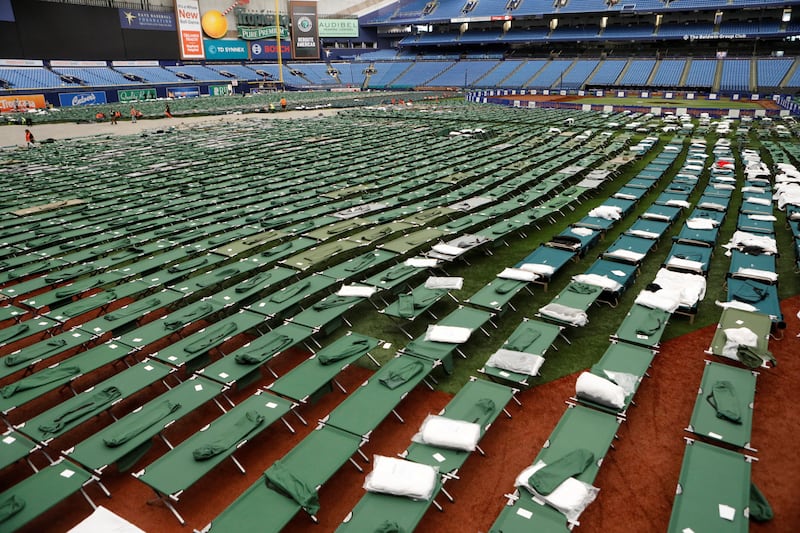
[{"x": 29, "y": 140}]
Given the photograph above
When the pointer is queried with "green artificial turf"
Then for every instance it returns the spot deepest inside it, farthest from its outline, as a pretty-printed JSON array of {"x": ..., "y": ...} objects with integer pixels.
[{"x": 587, "y": 344}]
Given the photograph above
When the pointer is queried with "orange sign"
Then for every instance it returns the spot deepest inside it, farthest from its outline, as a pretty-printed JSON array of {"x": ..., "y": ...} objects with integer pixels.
[{"x": 21, "y": 103}]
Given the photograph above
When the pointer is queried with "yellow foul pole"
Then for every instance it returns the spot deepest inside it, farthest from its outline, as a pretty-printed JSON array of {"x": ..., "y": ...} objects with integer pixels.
[{"x": 278, "y": 40}]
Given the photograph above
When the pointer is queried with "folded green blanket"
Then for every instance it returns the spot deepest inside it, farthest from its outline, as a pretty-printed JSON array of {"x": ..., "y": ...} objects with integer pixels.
[
  {"x": 582, "y": 288},
  {"x": 397, "y": 273},
  {"x": 67, "y": 274},
  {"x": 68, "y": 291},
  {"x": 725, "y": 401},
  {"x": 481, "y": 412},
  {"x": 549, "y": 477},
  {"x": 290, "y": 292},
  {"x": 252, "y": 282},
  {"x": 9, "y": 333},
  {"x": 10, "y": 506},
  {"x": 211, "y": 338},
  {"x": 405, "y": 306},
  {"x": 651, "y": 324},
  {"x": 389, "y": 527},
  {"x": 127, "y": 253},
  {"x": 23, "y": 356},
  {"x": 188, "y": 265},
  {"x": 133, "y": 309},
  {"x": 760, "y": 509},
  {"x": 240, "y": 430},
  {"x": 506, "y": 286},
  {"x": 143, "y": 420},
  {"x": 48, "y": 375},
  {"x": 256, "y": 356},
  {"x": 276, "y": 250},
  {"x": 221, "y": 275},
  {"x": 87, "y": 304},
  {"x": 355, "y": 346},
  {"x": 332, "y": 302},
  {"x": 521, "y": 339},
  {"x": 186, "y": 316},
  {"x": 753, "y": 357},
  {"x": 360, "y": 263},
  {"x": 289, "y": 484},
  {"x": 750, "y": 292},
  {"x": 398, "y": 377},
  {"x": 95, "y": 402}
]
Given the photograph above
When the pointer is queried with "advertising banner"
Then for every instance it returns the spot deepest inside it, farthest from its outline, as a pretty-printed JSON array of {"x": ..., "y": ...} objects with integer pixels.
[
  {"x": 136, "y": 95},
  {"x": 190, "y": 36},
  {"x": 136, "y": 63},
  {"x": 219, "y": 90},
  {"x": 183, "y": 92},
  {"x": 224, "y": 49},
  {"x": 6, "y": 11},
  {"x": 21, "y": 102},
  {"x": 84, "y": 98},
  {"x": 305, "y": 37},
  {"x": 68, "y": 63},
  {"x": 269, "y": 50},
  {"x": 132, "y": 19},
  {"x": 338, "y": 27},
  {"x": 261, "y": 32}
]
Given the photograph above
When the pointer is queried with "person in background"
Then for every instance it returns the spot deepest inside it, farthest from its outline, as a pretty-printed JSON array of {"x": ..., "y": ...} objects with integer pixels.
[
  {"x": 29, "y": 140},
  {"x": 134, "y": 115},
  {"x": 113, "y": 116},
  {"x": 167, "y": 111},
  {"x": 283, "y": 103}
]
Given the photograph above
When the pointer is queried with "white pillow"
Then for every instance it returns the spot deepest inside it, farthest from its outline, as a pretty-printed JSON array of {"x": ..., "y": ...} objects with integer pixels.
[
  {"x": 518, "y": 274},
  {"x": 421, "y": 262},
  {"x": 598, "y": 281},
  {"x": 685, "y": 263},
  {"x": 363, "y": 291},
  {"x": 451, "y": 334},
  {"x": 678, "y": 203},
  {"x": 448, "y": 433},
  {"x": 756, "y": 273},
  {"x": 735, "y": 304},
  {"x": 570, "y": 498},
  {"x": 644, "y": 234},
  {"x": 435, "y": 282},
  {"x": 583, "y": 232},
  {"x": 700, "y": 223},
  {"x": 576, "y": 317},
  {"x": 401, "y": 478},
  {"x": 655, "y": 216},
  {"x": 735, "y": 337},
  {"x": 447, "y": 249},
  {"x": 756, "y": 200},
  {"x": 513, "y": 361},
  {"x": 665, "y": 299},
  {"x": 600, "y": 390},
  {"x": 628, "y": 255},
  {"x": 714, "y": 206},
  {"x": 537, "y": 268}
]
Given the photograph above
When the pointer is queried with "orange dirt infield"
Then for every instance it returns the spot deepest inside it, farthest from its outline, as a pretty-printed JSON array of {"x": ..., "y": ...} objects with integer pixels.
[{"x": 637, "y": 480}]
